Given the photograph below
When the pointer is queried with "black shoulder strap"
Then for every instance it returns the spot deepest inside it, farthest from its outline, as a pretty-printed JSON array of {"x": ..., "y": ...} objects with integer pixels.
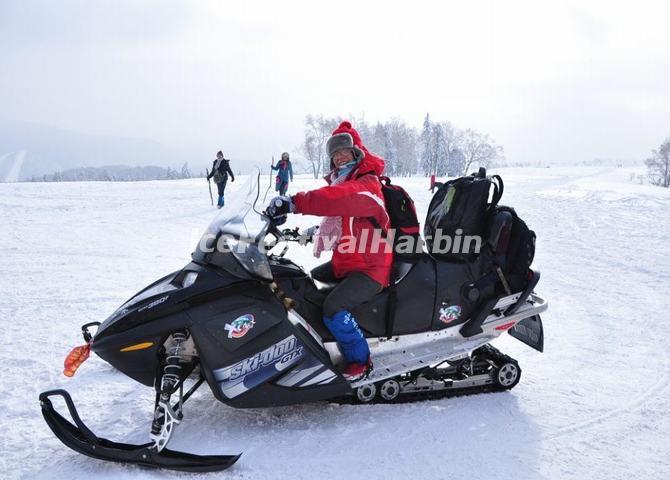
[{"x": 498, "y": 188}]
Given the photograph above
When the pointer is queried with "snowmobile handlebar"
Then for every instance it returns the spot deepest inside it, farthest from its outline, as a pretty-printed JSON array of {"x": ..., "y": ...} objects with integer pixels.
[{"x": 289, "y": 234}]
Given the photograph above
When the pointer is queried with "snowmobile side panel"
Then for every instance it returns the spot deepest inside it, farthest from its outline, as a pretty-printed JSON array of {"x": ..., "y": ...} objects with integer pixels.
[
  {"x": 81, "y": 439},
  {"x": 451, "y": 279},
  {"x": 239, "y": 362},
  {"x": 415, "y": 293}
]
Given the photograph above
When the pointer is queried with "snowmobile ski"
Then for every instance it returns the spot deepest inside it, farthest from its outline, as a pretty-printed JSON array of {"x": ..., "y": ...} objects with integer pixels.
[{"x": 81, "y": 439}]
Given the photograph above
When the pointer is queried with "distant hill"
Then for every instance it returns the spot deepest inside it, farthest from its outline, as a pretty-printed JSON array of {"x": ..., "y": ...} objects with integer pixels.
[{"x": 29, "y": 151}]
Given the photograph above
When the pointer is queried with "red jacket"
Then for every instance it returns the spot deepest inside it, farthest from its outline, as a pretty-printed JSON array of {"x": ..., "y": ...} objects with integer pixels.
[{"x": 357, "y": 200}]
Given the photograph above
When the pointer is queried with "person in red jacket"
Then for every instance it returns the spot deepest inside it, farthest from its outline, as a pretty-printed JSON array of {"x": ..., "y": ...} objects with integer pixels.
[{"x": 353, "y": 206}]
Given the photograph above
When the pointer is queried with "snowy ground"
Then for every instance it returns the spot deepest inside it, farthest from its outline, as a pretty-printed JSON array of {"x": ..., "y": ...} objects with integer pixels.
[{"x": 595, "y": 405}]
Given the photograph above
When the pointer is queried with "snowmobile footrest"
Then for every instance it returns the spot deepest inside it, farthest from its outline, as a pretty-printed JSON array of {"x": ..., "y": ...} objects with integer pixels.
[{"x": 79, "y": 438}]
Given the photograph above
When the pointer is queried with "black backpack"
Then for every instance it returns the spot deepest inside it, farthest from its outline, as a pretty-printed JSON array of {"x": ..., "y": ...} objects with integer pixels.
[
  {"x": 515, "y": 249},
  {"x": 462, "y": 204},
  {"x": 401, "y": 210}
]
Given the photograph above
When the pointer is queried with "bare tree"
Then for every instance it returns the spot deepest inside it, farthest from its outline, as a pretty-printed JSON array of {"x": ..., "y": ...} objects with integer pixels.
[
  {"x": 479, "y": 150},
  {"x": 317, "y": 133},
  {"x": 658, "y": 166}
]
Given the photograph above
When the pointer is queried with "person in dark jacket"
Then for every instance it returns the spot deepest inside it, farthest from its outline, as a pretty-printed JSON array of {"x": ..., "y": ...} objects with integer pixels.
[
  {"x": 285, "y": 170},
  {"x": 353, "y": 206},
  {"x": 220, "y": 171}
]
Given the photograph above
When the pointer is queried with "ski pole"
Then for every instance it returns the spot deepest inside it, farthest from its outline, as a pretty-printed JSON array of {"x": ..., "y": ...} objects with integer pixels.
[
  {"x": 270, "y": 181},
  {"x": 211, "y": 198}
]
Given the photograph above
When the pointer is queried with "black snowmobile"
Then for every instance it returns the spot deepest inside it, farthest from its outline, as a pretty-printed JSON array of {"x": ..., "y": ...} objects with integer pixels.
[{"x": 250, "y": 325}]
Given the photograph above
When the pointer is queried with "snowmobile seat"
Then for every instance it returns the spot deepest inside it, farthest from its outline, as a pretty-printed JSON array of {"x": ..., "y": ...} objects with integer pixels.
[
  {"x": 323, "y": 277},
  {"x": 325, "y": 282},
  {"x": 407, "y": 306}
]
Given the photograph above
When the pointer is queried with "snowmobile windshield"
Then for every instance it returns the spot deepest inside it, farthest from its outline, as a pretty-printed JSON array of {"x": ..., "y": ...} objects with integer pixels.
[
  {"x": 237, "y": 229},
  {"x": 238, "y": 217}
]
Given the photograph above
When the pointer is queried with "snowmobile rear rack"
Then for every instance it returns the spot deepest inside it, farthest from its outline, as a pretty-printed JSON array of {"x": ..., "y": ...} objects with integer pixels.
[
  {"x": 532, "y": 283},
  {"x": 81, "y": 439}
]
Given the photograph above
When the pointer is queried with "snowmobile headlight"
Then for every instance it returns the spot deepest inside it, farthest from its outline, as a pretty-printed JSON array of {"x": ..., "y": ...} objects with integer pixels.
[
  {"x": 189, "y": 279},
  {"x": 252, "y": 259}
]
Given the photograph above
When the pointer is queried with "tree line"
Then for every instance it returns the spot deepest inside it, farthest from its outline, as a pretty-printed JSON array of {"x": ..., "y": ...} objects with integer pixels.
[
  {"x": 439, "y": 148},
  {"x": 115, "y": 173}
]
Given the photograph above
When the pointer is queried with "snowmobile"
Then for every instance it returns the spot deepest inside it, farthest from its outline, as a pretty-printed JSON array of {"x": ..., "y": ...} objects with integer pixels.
[{"x": 249, "y": 324}]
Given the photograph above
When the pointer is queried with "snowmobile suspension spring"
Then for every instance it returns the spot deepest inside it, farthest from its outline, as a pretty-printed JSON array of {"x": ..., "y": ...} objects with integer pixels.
[{"x": 172, "y": 368}]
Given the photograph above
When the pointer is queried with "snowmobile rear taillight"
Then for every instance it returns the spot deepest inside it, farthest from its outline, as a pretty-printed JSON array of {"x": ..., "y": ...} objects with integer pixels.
[{"x": 75, "y": 358}]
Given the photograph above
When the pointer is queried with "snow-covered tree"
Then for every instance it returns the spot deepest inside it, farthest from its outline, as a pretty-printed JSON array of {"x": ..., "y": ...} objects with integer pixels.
[
  {"x": 658, "y": 165},
  {"x": 404, "y": 142},
  {"x": 171, "y": 174},
  {"x": 439, "y": 151},
  {"x": 450, "y": 139},
  {"x": 426, "y": 144},
  {"x": 456, "y": 163},
  {"x": 185, "y": 172}
]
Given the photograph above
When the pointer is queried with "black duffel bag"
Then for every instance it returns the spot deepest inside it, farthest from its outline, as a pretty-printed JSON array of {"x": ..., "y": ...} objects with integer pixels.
[{"x": 461, "y": 208}]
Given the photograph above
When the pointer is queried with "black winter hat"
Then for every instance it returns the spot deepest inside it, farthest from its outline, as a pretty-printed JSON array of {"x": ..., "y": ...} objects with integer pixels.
[{"x": 343, "y": 141}]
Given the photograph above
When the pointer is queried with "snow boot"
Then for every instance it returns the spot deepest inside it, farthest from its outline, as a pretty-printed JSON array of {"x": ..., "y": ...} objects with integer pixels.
[
  {"x": 352, "y": 343},
  {"x": 357, "y": 371}
]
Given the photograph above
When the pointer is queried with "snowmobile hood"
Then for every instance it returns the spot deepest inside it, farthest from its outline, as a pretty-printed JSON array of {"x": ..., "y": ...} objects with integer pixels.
[{"x": 174, "y": 292}]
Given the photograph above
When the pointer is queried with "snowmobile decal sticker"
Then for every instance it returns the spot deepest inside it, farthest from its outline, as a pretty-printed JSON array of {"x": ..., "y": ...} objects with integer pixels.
[
  {"x": 251, "y": 372},
  {"x": 324, "y": 377},
  {"x": 154, "y": 303},
  {"x": 450, "y": 314},
  {"x": 305, "y": 372},
  {"x": 240, "y": 326}
]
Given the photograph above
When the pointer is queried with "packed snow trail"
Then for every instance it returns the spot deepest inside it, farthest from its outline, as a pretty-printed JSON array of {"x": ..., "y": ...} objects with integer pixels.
[{"x": 595, "y": 405}]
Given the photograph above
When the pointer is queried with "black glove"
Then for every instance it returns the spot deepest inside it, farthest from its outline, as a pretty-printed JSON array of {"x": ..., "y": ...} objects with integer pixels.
[{"x": 280, "y": 206}]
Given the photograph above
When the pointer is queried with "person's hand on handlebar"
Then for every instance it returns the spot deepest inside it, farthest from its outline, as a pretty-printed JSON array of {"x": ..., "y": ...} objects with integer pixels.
[{"x": 280, "y": 207}]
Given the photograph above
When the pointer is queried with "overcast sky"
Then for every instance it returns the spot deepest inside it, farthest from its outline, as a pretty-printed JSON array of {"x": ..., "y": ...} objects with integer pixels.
[{"x": 551, "y": 81}]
